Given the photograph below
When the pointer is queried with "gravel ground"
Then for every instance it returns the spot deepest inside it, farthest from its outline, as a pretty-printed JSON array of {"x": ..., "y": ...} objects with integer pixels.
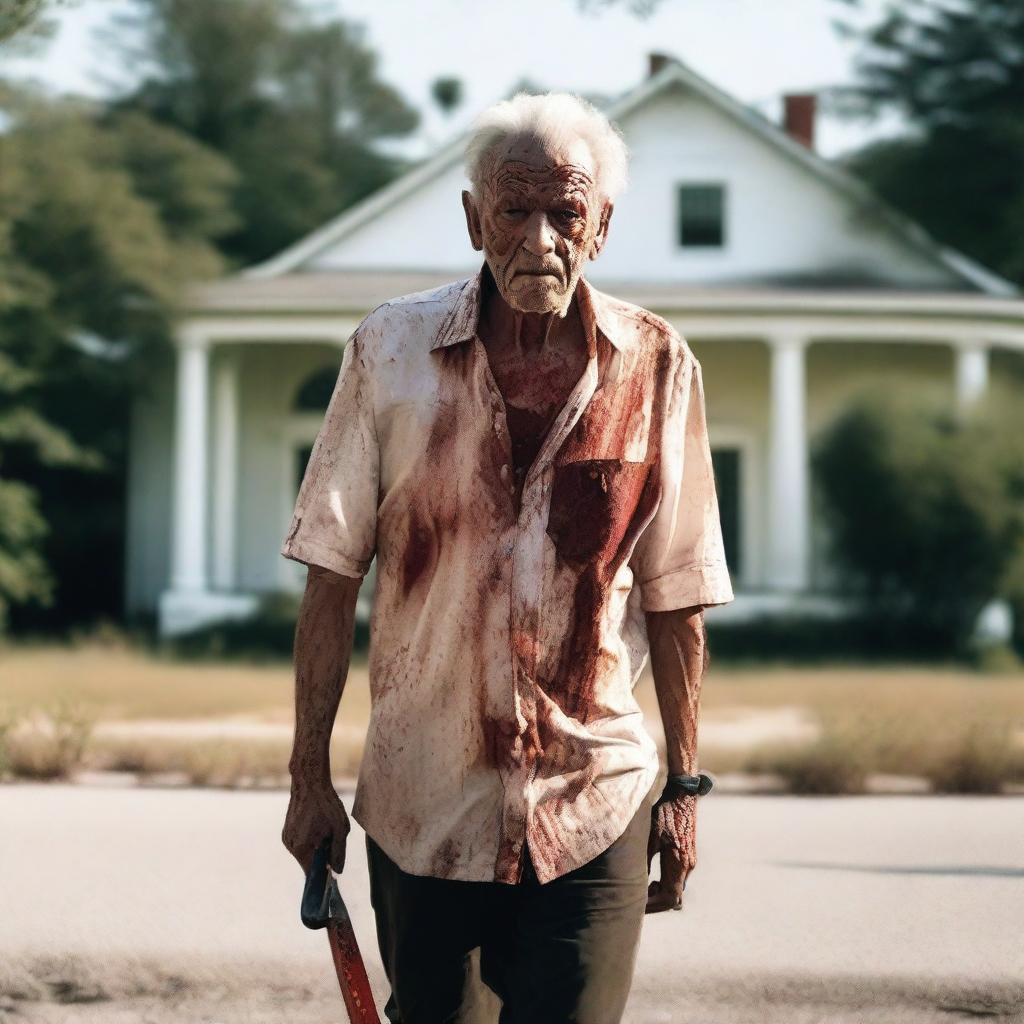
[{"x": 147, "y": 905}]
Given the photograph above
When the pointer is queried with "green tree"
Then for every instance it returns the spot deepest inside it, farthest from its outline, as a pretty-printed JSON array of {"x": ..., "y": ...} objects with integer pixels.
[
  {"x": 954, "y": 70},
  {"x": 103, "y": 221},
  {"x": 23, "y": 571},
  {"x": 925, "y": 509},
  {"x": 20, "y": 16},
  {"x": 296, "y": 106}
]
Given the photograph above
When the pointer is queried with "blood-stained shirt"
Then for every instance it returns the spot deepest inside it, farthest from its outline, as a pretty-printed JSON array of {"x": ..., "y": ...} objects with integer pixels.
[{"x": 507, "y": 636}]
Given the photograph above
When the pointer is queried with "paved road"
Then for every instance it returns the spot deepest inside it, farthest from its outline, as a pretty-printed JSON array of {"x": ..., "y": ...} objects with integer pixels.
[{"x": 800, "y": 910}]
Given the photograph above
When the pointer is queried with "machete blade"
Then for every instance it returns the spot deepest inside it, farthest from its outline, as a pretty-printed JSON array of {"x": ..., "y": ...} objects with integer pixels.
[{"x": 323, "y": 907}]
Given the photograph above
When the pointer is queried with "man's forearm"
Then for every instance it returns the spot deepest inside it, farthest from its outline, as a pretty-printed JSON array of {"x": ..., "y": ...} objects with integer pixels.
[
  {"x": 679, "y": 658},
  {"x": 323, "y": 648}
]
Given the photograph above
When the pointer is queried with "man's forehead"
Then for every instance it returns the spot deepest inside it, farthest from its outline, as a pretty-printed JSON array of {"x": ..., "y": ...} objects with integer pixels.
[
  {"x": 539, "y": 162},
  {"x": 559, "y": 179}
]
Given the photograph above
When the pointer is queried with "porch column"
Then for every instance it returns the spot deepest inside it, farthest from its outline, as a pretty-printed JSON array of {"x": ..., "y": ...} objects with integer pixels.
[
  {"x": 225, "y": 467},
  {"x": 788, "y": 509},
  {"x": 188, "y": 567},
  {"x": 971, "y": 372}
]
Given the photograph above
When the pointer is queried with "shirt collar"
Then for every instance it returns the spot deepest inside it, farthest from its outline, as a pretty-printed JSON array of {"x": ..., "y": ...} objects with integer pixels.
[{"x": 463, "y": 320}]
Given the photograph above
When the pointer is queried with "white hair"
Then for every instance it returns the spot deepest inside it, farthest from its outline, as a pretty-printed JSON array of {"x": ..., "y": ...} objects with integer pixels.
[{"x": 553, "y": 117}]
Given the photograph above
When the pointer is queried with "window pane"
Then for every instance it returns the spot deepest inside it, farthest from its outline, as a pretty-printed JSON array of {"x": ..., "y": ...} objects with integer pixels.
[{"x": 701, "y": 215}]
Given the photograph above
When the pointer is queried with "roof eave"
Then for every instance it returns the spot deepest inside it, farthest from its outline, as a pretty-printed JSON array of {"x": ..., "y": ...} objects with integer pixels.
[{"x": 959, "y": 264}]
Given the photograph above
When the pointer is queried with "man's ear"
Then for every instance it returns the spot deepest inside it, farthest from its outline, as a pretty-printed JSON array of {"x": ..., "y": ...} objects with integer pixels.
[
  {"x": 476, "y": 235},
  {"x": 602, "y": 231}
]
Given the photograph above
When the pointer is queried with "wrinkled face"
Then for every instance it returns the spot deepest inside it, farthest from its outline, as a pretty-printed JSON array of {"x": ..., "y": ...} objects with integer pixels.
[{"x": 538, "y": 219}]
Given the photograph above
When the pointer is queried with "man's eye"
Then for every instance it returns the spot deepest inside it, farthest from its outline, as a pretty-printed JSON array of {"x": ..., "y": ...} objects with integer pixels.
[
  {"x": 514, "y": 211},
  {"x": 568, "y": 214}
]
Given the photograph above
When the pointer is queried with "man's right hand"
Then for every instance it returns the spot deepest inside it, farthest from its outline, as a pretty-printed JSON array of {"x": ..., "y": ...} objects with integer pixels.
[{"x": 314, "y": 811}]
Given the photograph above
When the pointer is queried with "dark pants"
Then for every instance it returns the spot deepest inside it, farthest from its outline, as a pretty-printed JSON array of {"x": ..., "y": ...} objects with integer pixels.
[{"x": 560, "y": 952}]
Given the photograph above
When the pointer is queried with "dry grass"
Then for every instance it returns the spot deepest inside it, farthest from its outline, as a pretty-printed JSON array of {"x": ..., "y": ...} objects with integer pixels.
[
  {"x": 226, "y": 763},
  {"x": 962, "y": 730},
  {"x": 116, "y": 681},
  {"x": 121, "y": 682},
  {"x": 905, "y": 692}
]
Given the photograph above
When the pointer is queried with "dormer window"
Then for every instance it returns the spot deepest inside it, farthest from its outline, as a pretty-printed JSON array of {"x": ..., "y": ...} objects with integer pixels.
[{"x": 701, "y": 215}]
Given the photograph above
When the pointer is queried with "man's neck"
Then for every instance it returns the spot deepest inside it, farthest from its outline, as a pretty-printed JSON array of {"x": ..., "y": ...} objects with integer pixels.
[{"x": 524, "y": 332}]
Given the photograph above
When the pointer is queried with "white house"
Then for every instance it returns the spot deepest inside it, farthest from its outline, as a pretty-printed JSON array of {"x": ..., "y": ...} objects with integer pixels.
[{"x": 794, "y": 286}]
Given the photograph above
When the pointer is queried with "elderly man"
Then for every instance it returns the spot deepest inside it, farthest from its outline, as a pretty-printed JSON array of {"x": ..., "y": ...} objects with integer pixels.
[{"x": 528, "y": 460}]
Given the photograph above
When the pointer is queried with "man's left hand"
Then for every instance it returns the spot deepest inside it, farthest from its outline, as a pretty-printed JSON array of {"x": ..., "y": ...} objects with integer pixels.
[{"x": 673, "y": 836}]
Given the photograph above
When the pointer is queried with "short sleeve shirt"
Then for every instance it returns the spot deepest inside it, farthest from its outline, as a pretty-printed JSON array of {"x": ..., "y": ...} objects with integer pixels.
[{"x": 505, "y": 640}]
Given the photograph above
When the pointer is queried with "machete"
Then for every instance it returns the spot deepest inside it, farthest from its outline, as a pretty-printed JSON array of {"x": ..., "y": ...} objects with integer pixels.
[{"x": 323, "y": 907}]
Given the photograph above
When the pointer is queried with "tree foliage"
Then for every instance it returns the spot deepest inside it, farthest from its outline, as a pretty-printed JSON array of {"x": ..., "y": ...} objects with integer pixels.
[
  {"x": 103, "y": 221},
  {"x": 19, "y": 15},
  {"x": 925, "y": 508},
  {"x": 296, "y": 106},
  {"x": 954, "y": 70},
  {"x": 248, "y": 125}
]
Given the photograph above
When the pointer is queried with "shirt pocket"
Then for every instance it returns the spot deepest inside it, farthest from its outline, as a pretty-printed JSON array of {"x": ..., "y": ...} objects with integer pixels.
[{"x": 593, "y": 504}]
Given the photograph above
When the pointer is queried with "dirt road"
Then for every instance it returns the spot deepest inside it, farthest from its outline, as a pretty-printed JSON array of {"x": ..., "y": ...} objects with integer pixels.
[{"x": 121, "y": 905}]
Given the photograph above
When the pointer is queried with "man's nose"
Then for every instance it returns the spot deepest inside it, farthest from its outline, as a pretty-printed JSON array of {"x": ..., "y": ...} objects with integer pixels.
[{"x": 540, "y": 235}]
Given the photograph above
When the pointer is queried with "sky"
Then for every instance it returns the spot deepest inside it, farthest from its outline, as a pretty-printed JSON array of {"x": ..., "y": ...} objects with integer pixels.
[{"x": 754, "y": 49}]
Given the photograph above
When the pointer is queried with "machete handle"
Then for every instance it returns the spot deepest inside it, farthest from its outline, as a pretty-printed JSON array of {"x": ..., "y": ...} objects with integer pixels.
[{"x": 316, "y": 894}]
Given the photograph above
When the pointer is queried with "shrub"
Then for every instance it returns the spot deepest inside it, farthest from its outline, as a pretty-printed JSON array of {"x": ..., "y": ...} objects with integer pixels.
[
  {"x": 8, "y": 720},
  {"x": 48, "y": 745},
  {"x": 835, "y": 763},
  {"x": 269, "y": 635},
  {"x": 925, "y": 508},
  {"x": 981, "y": 759},
  {"x": 808, "y": 639},
  {"x": 998, "y": 659},
  {"x": 1015, "y": 597}
]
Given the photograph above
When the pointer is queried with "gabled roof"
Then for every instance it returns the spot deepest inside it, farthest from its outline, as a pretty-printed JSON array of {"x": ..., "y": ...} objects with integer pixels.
[{"x": 673, "y": 74}]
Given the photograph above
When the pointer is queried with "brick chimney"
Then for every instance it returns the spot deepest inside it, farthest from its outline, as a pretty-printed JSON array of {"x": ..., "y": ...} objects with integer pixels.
[
  {"x": 798, "y": 118},
  {"x": 656, "y": 61}
]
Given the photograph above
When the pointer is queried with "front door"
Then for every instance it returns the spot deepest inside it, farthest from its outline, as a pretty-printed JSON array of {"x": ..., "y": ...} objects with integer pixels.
[
  {"x": 302, "y": 454},
  {"x": 726, "y": 464}
]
